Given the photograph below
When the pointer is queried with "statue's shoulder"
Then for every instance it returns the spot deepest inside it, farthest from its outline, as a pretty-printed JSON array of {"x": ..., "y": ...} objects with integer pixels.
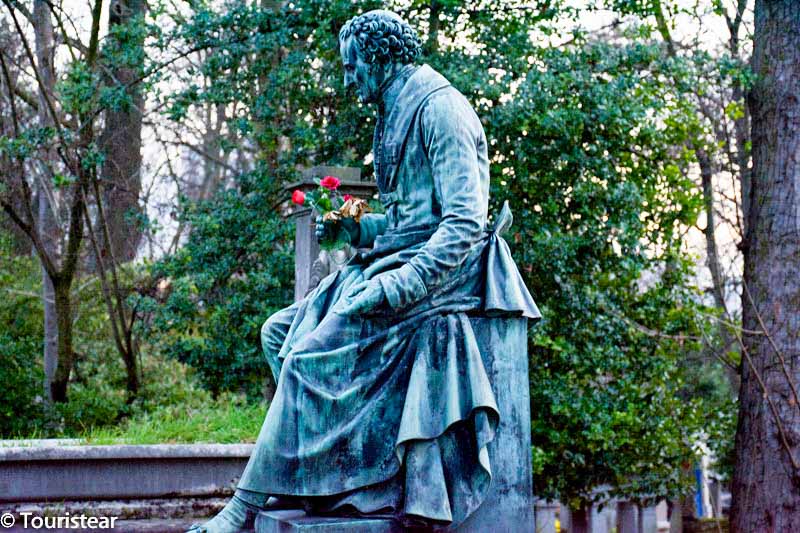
[
  {"x": 428, "y": 98},
  {"x": 447, "y": 106},
  {"x": 435, "y": 92},
  {"x": 424, "y": 82}
]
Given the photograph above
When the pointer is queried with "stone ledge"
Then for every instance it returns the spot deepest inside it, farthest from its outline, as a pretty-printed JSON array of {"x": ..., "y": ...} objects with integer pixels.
[
  {"x": 135, "y": 510},
  {"x": 56, "y": 473},
  {"x": 123, "y": 451}
]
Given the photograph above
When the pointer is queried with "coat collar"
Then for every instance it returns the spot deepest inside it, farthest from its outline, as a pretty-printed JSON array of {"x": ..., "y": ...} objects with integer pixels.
[
  {"x": 392, "y": 88},
  {"x": 412, "y": 94},
  {"x": 423, "y": 82}
]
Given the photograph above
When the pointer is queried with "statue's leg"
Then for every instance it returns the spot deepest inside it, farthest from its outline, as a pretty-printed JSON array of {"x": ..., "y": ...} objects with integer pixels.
[
  {"x": 238, "y": 514},
  {"x": 241, "y": 510},
  {"x": 273, "y": 335}
]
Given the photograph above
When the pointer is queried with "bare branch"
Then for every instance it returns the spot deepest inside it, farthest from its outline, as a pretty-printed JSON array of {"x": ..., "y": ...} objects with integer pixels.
[
  {"x": 26, "y": 97},
  {"x": 103, "y": 279},
  {"x": 33, "y": 235},
  {"x": 786, "y": 373},
  {"x": 781, "y": 430},
  {"x": 91, "y": 53},
  {"x": 19, "y": 6},
  {"x": 9, "y": 84},
  {"x": 45, "y": 93}
]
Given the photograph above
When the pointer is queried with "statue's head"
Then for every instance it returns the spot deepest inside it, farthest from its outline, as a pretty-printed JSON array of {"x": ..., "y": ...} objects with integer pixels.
[{"x": 374, "y": 46}]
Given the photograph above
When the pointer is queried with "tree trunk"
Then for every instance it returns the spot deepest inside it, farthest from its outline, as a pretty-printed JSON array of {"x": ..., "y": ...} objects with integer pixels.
[
  {"x": 212, "y": 146},
  {"x": 121, "y": 142},
  {"x": 118, "y": 217},
  {"x": 766, "y": 481},
  {"x": 65, "y": 354},
  {"x": 432, "y": 44},
  {"x": 49, "y": 301},
  {"x": 46, "y": 204}
]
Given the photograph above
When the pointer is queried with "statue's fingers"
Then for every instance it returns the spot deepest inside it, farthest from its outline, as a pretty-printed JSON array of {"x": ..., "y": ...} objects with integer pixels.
[
  {"x": 363, "y": 301},
  {"x": 370, "y": 299},
  {"x": 348, "y": 309},
  {"x": 355, "y": 290},
  {"x": 345, "y": 305}
]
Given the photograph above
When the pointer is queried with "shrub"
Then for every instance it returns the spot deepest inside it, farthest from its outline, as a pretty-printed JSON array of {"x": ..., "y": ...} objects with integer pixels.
[{"x": 234, "y": 271}]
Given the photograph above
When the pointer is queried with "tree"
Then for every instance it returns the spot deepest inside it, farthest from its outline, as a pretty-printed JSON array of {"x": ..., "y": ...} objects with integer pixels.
[
  {"x": 121, "y": 138},
  {"x": 61, "y": 267},
  {"x": 766, "y": 481},
  {"x": 52, "y": 188},
  {"x": 598, "y": 181},
  {"x": 45, "y": 192}
]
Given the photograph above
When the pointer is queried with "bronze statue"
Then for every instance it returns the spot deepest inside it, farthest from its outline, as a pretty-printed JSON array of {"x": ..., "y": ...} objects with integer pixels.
[{"x": 383, "y": 404}]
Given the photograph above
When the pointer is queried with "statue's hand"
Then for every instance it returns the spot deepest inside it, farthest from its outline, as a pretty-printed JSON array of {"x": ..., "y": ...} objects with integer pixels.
[
  {"x": 362, "y": 298},
  {"x": 344, "y": 230}
]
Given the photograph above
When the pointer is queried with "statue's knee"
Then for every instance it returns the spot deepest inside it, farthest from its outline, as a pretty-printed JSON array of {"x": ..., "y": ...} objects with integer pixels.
[
  {"x": 273, "y": 335},
  {"x": 270, "y": 342}
]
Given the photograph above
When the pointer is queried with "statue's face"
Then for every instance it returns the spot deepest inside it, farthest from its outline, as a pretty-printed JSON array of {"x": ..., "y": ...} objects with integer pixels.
[{"x": 363, "y": 77}]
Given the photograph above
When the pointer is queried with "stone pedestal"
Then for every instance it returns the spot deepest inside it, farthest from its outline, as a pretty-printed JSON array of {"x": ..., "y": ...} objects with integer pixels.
[
  {"x": 648, "y": 521},
  {"x": 627, "y": 518},
  {"x": 508, "y": 507},
  {"x": 592, "y": 519},
  {"x": 546, "y": 513}
]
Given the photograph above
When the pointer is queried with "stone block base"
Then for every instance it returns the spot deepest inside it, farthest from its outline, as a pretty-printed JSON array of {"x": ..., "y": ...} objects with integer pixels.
[{"x": 295, "y": 521}]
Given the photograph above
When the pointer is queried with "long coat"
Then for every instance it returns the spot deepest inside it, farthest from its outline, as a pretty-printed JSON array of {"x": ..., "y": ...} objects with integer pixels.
[{"x": 392, "y": 411}]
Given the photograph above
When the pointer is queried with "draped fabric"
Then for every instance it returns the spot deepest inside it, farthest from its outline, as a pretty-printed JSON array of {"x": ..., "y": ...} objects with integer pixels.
[
  {"x": 386, "y": 412},
  {"x": 393, "y": 411}
]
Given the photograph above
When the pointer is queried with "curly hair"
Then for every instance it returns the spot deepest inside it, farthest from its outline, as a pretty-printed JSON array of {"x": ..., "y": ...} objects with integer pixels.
[{"x": 383, "y": 37}]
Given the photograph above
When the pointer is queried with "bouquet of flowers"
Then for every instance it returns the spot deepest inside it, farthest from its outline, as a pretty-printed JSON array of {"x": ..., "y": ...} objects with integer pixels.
[{"x": 333, "y": 207}]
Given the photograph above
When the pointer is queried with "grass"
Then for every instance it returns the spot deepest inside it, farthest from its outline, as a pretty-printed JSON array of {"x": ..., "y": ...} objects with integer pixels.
[{"x": 229, "y": 419}]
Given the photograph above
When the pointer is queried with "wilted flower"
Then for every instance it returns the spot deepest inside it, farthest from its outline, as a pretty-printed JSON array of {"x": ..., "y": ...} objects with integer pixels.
[{"x": 354, "y": 208}]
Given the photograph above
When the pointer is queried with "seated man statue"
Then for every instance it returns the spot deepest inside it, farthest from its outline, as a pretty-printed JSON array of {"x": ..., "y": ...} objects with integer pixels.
[{"x": 383, "y": 404}]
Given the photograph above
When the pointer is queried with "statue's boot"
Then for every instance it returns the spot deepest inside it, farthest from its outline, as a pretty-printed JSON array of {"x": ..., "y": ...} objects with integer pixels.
[{"x": 239, "y": 514}]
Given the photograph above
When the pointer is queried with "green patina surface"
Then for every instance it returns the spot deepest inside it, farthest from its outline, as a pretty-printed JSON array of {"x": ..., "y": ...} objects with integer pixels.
[{"x": 384, "y": 400}]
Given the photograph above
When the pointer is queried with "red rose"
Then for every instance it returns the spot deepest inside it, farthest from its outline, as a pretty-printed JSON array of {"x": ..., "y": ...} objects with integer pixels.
[
  {"x": 348, "y": 197},
  {"x": 298, "y": 197},
  {"x": 330, "y": 182}
]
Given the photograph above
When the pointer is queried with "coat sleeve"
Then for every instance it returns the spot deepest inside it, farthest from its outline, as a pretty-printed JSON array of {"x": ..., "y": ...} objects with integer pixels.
[
  {"x": 372, "y": 225},
  {"x": 451, "y": 132}
]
